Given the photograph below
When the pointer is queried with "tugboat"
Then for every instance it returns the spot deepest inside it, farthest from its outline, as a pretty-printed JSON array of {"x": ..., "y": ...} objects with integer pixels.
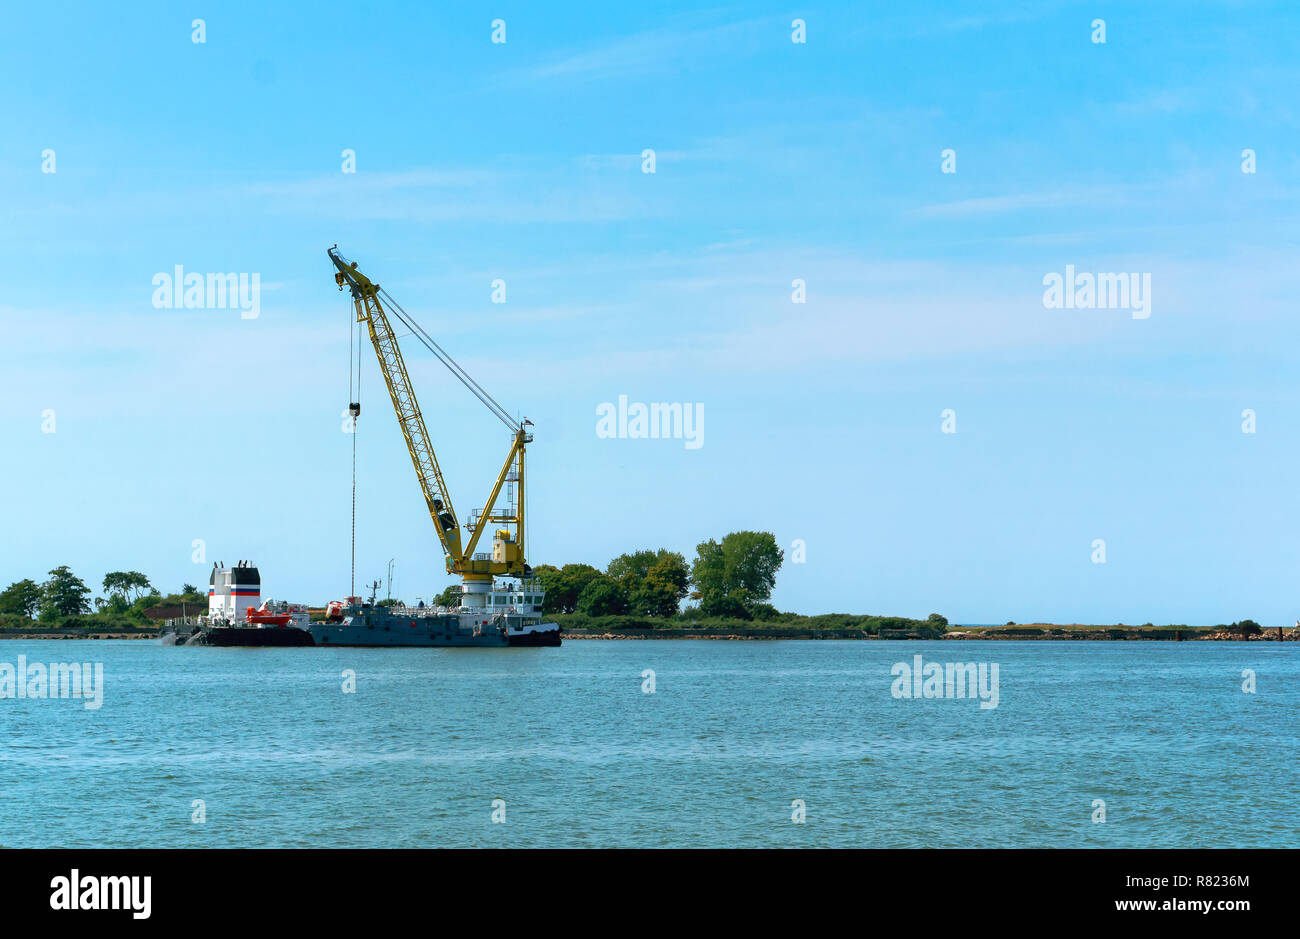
[
  {"x": 234, "y": 617},
  {"x": 509, "y": 614}
]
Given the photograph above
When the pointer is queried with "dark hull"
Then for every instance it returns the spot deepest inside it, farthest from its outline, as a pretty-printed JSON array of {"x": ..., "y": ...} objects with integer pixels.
[
  {"x": 385, "y": 630},
  {"x": 381, "y": 626},
  {"x": 240, "y": 636},
  {"x": 535, "y": 637},
  {"x": 374, "y": 628}
]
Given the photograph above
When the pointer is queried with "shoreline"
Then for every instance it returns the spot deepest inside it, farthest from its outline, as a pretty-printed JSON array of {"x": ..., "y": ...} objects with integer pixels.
[
  {"x": 1033, "y": 632},
  {"x": 77, "y": 634},
  {"x": 956, "y": 638},
  {"x": 1037, "y": 632}
]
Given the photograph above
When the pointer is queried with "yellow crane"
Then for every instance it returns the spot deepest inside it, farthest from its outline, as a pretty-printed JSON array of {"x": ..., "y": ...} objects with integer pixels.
[{"x": 507, "y": 556}]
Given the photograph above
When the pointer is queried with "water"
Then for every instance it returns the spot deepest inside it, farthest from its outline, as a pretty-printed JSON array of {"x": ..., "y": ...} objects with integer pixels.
[{"x": 734, "y": 733}]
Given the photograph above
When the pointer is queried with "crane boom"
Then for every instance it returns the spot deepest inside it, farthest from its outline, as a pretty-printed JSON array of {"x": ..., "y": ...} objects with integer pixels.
[{"x": 507, "y": 557}]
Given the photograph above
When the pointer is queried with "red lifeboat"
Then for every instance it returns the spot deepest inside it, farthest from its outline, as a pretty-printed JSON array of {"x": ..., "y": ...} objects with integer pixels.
[{"x": 264, "y": 617}]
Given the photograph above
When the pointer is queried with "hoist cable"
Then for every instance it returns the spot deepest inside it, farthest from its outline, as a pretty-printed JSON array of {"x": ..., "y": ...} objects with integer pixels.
[{"x": 452, "y": 365}]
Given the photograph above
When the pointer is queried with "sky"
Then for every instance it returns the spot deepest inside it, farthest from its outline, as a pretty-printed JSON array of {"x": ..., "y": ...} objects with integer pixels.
[{"x": 921, "y": 434}]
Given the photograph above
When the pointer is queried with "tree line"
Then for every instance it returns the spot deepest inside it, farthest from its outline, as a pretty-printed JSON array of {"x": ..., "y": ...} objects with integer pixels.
[
  {"x": 63, "y": 595},
  {"x": 733, "y": 578}
]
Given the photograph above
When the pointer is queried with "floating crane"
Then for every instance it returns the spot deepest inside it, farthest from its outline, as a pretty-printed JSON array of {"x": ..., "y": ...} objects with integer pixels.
[{"x": 507, "y": 556}]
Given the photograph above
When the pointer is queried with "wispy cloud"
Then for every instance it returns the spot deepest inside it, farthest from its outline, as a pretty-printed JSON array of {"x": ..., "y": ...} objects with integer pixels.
[
  {"x": 336, "y": 184},
  {"x": 653, "y": 50},
  {"x": 517, "y": 194},
  {"x": 1050, "y": 199}
]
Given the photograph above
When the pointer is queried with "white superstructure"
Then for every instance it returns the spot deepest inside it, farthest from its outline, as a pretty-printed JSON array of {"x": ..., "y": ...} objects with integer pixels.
[{"x": 233, "y": 590}]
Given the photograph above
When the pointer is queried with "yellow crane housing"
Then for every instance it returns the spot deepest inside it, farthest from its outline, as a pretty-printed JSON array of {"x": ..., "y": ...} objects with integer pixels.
[{"x": 507, "y": 556}]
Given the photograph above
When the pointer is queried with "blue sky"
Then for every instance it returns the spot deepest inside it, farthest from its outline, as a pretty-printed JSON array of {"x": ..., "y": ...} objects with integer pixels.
[{"x": 775, "y": 161}]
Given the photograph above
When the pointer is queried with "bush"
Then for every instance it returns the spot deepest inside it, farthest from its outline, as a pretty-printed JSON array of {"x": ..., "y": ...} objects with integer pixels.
[{"x": 1247, "y": 627}]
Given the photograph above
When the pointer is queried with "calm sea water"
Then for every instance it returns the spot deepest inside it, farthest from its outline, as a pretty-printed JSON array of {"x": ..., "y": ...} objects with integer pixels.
[{"x": 735, "y": 732}]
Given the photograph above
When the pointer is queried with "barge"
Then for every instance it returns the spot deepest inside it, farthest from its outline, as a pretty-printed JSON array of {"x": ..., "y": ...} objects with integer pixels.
[
  {"x": 509, "y": 614},
  {"x": 497, "y": 613}
]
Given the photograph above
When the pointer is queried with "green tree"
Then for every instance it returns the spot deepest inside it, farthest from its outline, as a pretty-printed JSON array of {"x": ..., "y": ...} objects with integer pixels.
[
  {"x": 574, "y": 579},
  {"x": 65, "y": 593},
  {"x": 666, "y": 585},
  {"x": 656, "y": 582},
  {"x": 602, "y": 596},
  {"x": 732, "y": 576},
  {"x": 548, "y": 576},
  {"x": 129, "y": 585},
  {"x": 144, "y": 601},
  {"x": 628, "y": 568},
  {"x": 449, "y": 597},
  {"x": 22, "y": 597},
  {"x": 564, "y": 585}
]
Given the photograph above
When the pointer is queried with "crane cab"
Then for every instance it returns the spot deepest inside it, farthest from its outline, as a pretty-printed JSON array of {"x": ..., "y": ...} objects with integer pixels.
[{"x": 505, "y": 550}]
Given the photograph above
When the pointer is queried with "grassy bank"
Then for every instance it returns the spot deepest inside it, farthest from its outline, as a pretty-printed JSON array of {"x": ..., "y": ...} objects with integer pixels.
[
  {"x": 85, "y": 632},
  {"x": 843, "y": 626},
  {"x": 1120, "y": 631},
  {"x": 782, "y": 626}
]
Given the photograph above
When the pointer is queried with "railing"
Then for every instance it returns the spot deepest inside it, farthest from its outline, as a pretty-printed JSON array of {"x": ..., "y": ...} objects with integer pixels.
[
  {"x": 183, "y": 621},
  {"x": 413, "y": 611}
]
